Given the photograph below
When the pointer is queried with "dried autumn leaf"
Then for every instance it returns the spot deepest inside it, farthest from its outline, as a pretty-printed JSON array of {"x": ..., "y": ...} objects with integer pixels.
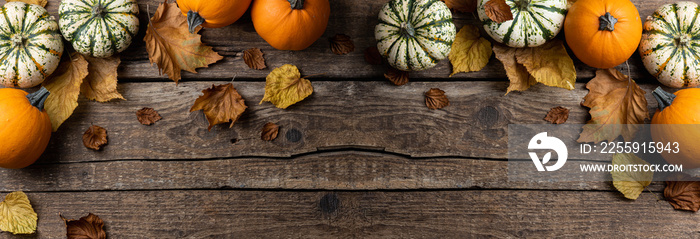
[
  {"x": 284, "y": 87},
  {"x": 557, "y": 115},
  {"x": 629, "y": 182},
  {"x": 64, "y": 85},
  {"x": 17, "y": 215},
  {"x": 101, "y": 81},
  {"x": 520, "y": 79},
  {"x": 570, "y": 3},
  {"x": 683, "y": 192},
  {"x": 372, "y": 56},
  {"x": 95, "y": 137},
  {"x": 549, "y": 64},
  {"x": 269, "y": 131},
  {"x": 87, "y": 227},
  {"x": 470, "y": 52},
  {"x": 221, "y": 104},
  {"x": 461, "y": 5},
  {"x": 498, "y": 11},
  {"x": 253, "y": 57},
  {"x": 617, "y": 105},
  {"x": 436, "y": 99},
  {"x": 41, "y": 3},
  {"x": 341, "y": 44},
  {"x": 398, "y": 77},
  {"x": 148, "y": 116},
  {"x": 172, "y": 47}
]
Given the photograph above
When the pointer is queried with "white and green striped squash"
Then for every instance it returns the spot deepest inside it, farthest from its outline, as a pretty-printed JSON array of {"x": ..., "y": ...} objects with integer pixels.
[
  {"x": 670, "y": 46},
  {"x": 534, "y": 22},
  {"x": 30, "y": 45},
  {"x": 99, "y": 28},
  {"x": 414, "y": 35}
]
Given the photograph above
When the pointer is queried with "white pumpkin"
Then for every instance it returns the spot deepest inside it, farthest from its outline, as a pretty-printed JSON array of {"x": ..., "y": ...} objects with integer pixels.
[{"x": 534, "y": 22}]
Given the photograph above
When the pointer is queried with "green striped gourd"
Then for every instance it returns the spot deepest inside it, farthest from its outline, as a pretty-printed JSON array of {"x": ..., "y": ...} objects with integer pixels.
[
  {"x": 414, "y": 35},
  {"x": 534, "y": 22},
  {"x": 99, "y": 28},
  {"x": 670, "y": 46},
  {"x": 30, "y": 45}
]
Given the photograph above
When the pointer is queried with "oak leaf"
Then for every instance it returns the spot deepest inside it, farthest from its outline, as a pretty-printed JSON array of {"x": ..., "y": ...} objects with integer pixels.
[
  {"x": 41, "y": 3},
  {"x": 470, "y": 51},
  {"x": 284, "y": 87},
  {"x": 95, "y": 137},
  {"x": 253, "y": 57},
  {"x": 520, "y": 79},
  {"x": 683, "y": 192},
  {"x": 220, "y": 104},
  {"x": 172, "y": 47},
  {"x": 148, "y": 116},
  {"x": 372, "y": 56},
  {"x": 629, "y": 182},
  {"x": 436, "y": 99},
  {"x": 17, "y": 215},
  {"x": 101, "y": 81},
  {"x": 87, "y": 227},
  {"x": 617, "y": 105},
  {"x": 341, "y": 44},
  {"x": 270, "y": 131},
  {"x": 462, "y": 5},
  {"x": 498, "y": 11},
  {"x": 557, "y": 115},
  {"x": 64, "y": 85},
  {"x": 398, "y": 77},
  {"x": 548, "y": 64}
]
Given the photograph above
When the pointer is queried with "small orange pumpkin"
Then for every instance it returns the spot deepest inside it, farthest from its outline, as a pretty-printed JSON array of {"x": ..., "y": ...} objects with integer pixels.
[
  {"x": 212, "y": 13},
  {"x": 290, "y": 24},
  {"x": 603, "y": 33},
  {"x": 680, "y": 114},
  {"x": 25, "y": 129}
]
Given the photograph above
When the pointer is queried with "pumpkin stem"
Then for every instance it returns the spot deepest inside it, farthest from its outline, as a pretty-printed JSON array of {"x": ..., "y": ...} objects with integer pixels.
[
  {"x": 607, "y": 22},
  {"x": 407, "y": 30},
  {"x": 38, "y": 98},
  {"x": 17, "y": 40},
  {"x": 522, "y": 4},
  {"x": 98, "y": 10},
  {"x": 296, "y": 4},
  {"x": 683, "y": 40},
  {"x": 194, "y": 20},
  {"x": 664, "y": 98}
]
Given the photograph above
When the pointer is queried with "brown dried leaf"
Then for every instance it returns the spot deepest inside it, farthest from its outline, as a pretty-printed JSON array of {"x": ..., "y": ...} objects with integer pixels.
[
  {"x": 41, "y": 3},
  {"x": 87, "y": 227},
  {"x": 372, "y": 56},
  {"x": 221, "y": 104},
  {"x": 95, "y": 137},
  {"x": 148, "y": 116},
  {"x": 64, "y": 85},
  {"x": 498, "y": 11},
  {"x": 520, "y": 79},
  {"x": 253, "y": 57},
  {"x": 101, "y": 81},
  {"x": 171, "y": 45},
  {"x": 397, "y": 77},
  {"x": 269, "y": 131},
  {"x": 341, "y": 44},
  {"x": 617, "y": 105},
  {"x": 557, "y": 115},
  {"x": 462, "y": 5},
  {"x": 683, "y": 192},
  {"x": 548, "y": 64},
  {"x": 436, "y": 99}
]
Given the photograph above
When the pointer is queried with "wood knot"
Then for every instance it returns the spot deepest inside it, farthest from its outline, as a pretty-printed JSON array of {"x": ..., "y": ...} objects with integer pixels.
[
  {"x": 329, "y": 203},
  {"x": 293, "y": 135},
  {"x": 487, "y": 116}
]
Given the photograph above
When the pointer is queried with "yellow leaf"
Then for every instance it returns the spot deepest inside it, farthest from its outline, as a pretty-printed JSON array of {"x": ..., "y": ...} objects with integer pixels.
[
  {"x": 101, "y": 81},
  {"x": 41, "y": 3},
  {"x": 220, "y": 104},
  {"x": 17, "y": 215},
  {"x": 520, "y": 79},
  {"x": 461, "y": 5},
  {"x": 470, "y": 52},
  {"x": 630, "y": 182},
  {"x": 171, "y": 45},
  {"x": 64, "y": 85},
  {"x": 617, "y": 107},
  {"x": 550, "y": 64},
  {"x": 284, "y": 87}
]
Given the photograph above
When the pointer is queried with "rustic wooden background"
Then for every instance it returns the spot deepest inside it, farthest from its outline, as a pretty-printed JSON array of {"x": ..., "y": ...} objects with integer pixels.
[{"x": 359, "y": 158}]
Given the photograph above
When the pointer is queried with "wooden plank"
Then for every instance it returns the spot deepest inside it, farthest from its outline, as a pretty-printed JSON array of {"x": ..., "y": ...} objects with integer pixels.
[{"x": 432, "y": 214}]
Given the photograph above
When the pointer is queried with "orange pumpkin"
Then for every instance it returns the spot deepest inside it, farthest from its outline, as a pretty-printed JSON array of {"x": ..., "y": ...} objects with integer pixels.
[
  {"x": 680, "y": 114},
  {"x": 290, "y": 24},
  {"x": 603, "y": 33},
  {"x": 25, "y": 130},
  {"x": 212, "y": 13}
]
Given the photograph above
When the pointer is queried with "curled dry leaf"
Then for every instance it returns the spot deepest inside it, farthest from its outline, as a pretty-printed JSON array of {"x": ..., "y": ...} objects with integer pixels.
[
  {"x": 284, "y": 87},
  {"x": 269, "y": 131},
  {"x": 557, "y": 115},
  {"x": 148, "y": 116},
  {"x": 617, "y": 105},
  {"x": 629, "y": 182},
  {"x": 220, "y": 104},
  {"x": 41, "y": 3},
  {"x": 87, "y": 227},
  {"x": 172, "y": 47},
  {"x": 101, "y": 81},
  {"x": 95, "y": 137},
  {"x": 498, "y": 11},
  {"x": 64, "y": 85},
  {"x": 548, "y": 64},
  {"x": 462, "y": 5},
  {"x": 17, "y": 215},
  {"x": 683, "y": 192},
  {"x": 253, "y": 57},
  {"x": 470, "y": 52},
  {"x": 372, "y": 56},
  {"x": 398, "y": 77},
  {"x": 520, "y": 79},
  {"x": 341, "y": 44},
  {"x": 436, "y": 99}
]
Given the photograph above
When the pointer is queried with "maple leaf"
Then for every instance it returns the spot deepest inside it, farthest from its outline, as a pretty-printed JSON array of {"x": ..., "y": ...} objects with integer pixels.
[
  {"x": 557, "y": 115},
  {"x": 398, "y": 77},
  {"x": 284, "y": 87},
  {"x": 548, "y": 64},
  {"x": 617, "y": 105},
  {"x": 341, "y": 44},
  {"x": 95, "y": 137},
  {"x": 253, "y": 57},
  {"x": 64, "y": 85},
  {"x": 270, "y": 131},
  {"x": 101, "y": 81},
  {"x": 147, "y": 116},
  {"x": 41, "y": 3},
  {"x": 470, "y": 52},
  {"x": 172, "y": 47},
  {"x": 461, "y": 5},
  {"x": 498, "y": 11},
  {"x": 220, "y": 104},
  {"x": 629, "y": 182},
  {"x": 17, "y": 215},
  {"x": 90, "y": 226},
  {"x": 372, "y": 56},
  {"x": 520, "y": 79},
  {"x": 683, "y": 192},
  {"x": 436, "y": 99}
]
